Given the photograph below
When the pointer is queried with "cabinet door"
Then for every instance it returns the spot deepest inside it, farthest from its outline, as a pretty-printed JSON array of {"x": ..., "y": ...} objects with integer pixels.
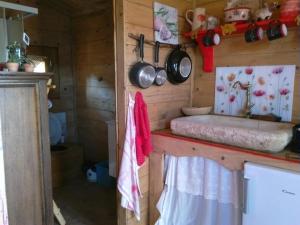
[
  {"x": 272, "y": 196},
  {"x": 23, "y": 155}
]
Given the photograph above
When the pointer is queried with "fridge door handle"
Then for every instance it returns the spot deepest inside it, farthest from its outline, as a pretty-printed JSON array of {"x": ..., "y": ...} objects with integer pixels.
[{"x": 245, "y": 195}]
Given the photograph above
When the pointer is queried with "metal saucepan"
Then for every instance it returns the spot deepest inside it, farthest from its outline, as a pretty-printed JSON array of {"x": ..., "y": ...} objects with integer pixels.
[
  {"x": 179, "y": 66},
  {"x": 142, "y": 74},
  {"x": 161, "y": 74}
]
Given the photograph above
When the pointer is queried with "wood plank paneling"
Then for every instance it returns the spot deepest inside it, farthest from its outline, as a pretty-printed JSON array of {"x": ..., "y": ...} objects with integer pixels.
[
  {"x": 165, "y": 102},
  {"x": 53, "y": 29},
  {"x": 156, "y": 174},
  {"x": 94, "y": 69}
]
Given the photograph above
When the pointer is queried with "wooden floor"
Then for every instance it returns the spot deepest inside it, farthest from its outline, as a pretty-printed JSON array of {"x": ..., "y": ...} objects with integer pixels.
[{"x": 84, "y": 203}]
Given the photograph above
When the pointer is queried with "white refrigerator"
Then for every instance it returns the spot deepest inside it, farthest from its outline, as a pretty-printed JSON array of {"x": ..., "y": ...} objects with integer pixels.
[{"x": 271, "y": 196}]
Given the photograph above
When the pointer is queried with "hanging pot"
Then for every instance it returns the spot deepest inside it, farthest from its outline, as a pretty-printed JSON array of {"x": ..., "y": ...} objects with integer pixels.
[
  {"x": 179, "y": 66},
  {"x": 142, "y": 74},
  {"x": 161, "y": 74}
]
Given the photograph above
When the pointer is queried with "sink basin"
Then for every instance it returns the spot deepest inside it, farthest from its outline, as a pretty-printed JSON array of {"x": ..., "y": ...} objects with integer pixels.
[{"x": 241, "y": 132}]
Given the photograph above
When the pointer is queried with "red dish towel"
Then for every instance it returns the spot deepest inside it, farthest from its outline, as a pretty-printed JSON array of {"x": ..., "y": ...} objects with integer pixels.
[{"x": 143, "y": 133}]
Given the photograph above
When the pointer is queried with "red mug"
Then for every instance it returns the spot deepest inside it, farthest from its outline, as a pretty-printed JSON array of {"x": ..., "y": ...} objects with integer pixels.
[
  {"x": 276, "y": 30},
  {"x": 211, "y": 38},
  {"x": 254, "y": 33}
]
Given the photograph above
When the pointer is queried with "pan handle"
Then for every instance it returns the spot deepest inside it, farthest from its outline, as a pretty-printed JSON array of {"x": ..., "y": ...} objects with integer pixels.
[
  {"x": 141, "y": 46},
  {"x": 156, "y": 53}
]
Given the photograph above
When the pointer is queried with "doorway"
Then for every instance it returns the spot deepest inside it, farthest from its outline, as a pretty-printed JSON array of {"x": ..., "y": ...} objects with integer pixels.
[{"x": 75, "y": 38}]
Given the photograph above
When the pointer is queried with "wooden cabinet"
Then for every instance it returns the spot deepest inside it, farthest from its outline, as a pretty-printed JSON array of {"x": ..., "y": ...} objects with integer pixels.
[
  {"x": 24, "y": 115},
  {"x": 230, "y": 157}
]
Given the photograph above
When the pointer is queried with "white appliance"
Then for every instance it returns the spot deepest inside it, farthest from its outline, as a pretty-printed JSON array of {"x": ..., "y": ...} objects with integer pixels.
[{"x": 271, "y": 196}]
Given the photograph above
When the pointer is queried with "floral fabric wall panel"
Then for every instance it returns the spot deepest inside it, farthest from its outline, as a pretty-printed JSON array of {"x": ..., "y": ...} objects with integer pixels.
[{"x": 272, "y": 90}]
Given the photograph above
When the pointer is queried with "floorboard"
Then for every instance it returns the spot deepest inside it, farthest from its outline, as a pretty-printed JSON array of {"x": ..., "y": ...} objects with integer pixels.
[{"x": 84, "y": 203}]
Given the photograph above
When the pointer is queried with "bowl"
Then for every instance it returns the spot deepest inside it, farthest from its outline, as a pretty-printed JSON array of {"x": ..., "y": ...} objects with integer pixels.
[
  {"x": 240, "y": 14},
  {"x": 194, "y": 111}
]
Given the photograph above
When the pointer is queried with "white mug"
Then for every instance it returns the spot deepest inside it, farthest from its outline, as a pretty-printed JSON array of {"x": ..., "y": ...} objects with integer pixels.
[
  {"x": 212, "y": 22},
  {"x": 198, "y": 18}
]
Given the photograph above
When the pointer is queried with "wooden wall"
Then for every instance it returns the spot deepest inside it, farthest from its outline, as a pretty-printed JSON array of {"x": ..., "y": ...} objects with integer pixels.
[
  {"x": 93, "y": 49},
  {"x": 234, "y": 51},
  {"x": 52, "y": 28},
  {"x": 164, "y": 103}
]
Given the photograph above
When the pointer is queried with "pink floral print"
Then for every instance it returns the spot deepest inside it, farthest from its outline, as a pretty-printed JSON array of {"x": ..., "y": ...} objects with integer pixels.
[
  {"x": 220, "y": 88},
  {"x": 231, "y": 77},
  {"x": 232, "y": 98},
  {"x": 259, "y": 93},
  {"x": 271, "y": 97},
  {"x": 284, "y": 91},
  {"x": 261, "y": 81},
  {"x": 277, "y": 70},
  {"x": 272, "y": 90},
  {"x": 249, "y": 71}
]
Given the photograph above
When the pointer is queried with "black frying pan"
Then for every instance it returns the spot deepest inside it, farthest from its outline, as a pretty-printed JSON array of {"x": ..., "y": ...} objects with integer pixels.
[
  {"x": 142, "y": 74},
  {"x": 179, "y": 66},
  {"x": 161, "y": 74}
]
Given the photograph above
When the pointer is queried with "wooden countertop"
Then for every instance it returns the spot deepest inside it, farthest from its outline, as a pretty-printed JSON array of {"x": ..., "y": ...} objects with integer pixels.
[{"x": 229, "y": 156}]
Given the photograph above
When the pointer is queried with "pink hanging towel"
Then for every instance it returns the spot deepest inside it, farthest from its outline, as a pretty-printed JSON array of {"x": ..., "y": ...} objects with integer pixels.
[
  {"x": 3, "y": 203},
  {"x": 128, "y": 181},
  {"x": 143, "y": 133}
]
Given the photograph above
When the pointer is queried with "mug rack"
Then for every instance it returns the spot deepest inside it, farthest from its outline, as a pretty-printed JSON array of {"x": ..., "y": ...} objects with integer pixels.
[
  {"x": 233, "y": 28},
  {"x": 227, "y": 30}
]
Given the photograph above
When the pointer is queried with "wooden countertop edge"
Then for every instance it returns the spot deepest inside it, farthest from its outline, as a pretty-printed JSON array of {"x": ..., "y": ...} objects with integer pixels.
[
  {"x": 231, "y": 157},
  {"x": 24, "y": 75}
]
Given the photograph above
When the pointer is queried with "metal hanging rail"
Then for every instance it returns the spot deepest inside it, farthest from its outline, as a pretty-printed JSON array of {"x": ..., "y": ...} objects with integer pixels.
[{"x": 163, "y": 45}]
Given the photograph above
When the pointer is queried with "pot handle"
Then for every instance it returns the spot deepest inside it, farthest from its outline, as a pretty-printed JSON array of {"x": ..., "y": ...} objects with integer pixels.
[
  {"x": 187, "y": 13},
  {"x": 156, "y": 53},
  {"x": 141, "y": 46}
]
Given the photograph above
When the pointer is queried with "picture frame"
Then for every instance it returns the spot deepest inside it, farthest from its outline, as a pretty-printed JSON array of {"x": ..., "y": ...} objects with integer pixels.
[{"x": 165, "y": 24}]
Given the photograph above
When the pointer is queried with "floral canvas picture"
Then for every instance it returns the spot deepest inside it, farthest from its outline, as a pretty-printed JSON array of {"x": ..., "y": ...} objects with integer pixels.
[
  {"x": 272, "y": 90},
  {"x": 165, "y": 24}
]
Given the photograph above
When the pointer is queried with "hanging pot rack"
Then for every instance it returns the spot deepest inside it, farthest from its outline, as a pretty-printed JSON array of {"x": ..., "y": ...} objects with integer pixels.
[{"x": 163, "y": 45}]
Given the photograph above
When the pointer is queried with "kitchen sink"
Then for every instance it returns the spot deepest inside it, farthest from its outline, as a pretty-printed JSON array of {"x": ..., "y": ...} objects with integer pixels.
[{"x": 242, "y": 132}]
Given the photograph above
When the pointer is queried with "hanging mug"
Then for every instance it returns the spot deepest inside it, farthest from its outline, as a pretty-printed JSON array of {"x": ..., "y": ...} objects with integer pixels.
[
  {"x": 254, "y": 33},
  {"x": 198, "y": 18},
  {"x": 276, "y": 30},
  {"x": 211, "y": 38}
]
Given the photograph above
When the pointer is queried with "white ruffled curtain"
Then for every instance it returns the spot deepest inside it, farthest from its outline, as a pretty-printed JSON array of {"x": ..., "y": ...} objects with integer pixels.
[
  {"x": 3, "y": 203},
  {"x": 199, "y": 191}
]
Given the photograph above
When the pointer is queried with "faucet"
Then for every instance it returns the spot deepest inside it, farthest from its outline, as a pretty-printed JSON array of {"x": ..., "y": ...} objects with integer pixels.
[{"x": 248, "y": 106}]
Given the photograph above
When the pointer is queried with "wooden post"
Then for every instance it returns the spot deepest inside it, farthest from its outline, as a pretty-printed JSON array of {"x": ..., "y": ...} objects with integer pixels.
[{"x": 156, "y": 184}]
